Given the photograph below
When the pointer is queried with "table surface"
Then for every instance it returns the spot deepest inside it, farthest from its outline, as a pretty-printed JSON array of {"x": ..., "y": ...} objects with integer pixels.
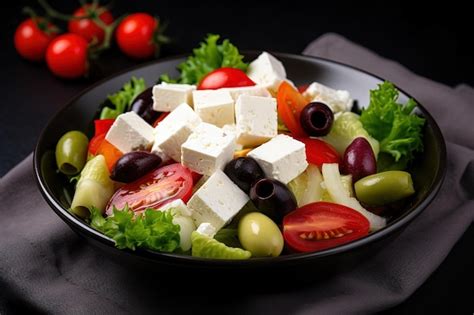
[{"x": 431, "y": 45}]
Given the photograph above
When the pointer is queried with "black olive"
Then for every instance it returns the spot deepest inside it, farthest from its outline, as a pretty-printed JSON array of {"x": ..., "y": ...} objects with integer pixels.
[
  {"x": 244, "y": 171},
  {"x": 316, "y": 119},
  {"x": 273, "y": 198},
  {"x": 133, "y": 165},
  {"x": 143, "y": 106}
]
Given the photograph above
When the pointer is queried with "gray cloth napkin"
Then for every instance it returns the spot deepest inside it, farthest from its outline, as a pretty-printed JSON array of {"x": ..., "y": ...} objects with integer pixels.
[{"x": 45, "y": 267}]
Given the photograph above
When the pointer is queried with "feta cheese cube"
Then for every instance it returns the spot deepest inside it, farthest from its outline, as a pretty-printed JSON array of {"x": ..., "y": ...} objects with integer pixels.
[
  {"x": 266, "y": 70},
  {"x": 177, "y": 207},
  {"x": 232, "y": 130},
  {"x": 217, "y": 201},
  {"x": 207, "y": 149},
  {"x": 130, "y": 132},
  {"x": 206, "y": 229},
  {"x": 167, "y": 97},
  {"x": 214, "y": 106},
  {"x": 337, "y": 100},
  {"x": 174, "y": 130},
  {"x": 255, "y": 90},
  {"x": 256, "y": 119},
  {"x": 282, "y": 158}
]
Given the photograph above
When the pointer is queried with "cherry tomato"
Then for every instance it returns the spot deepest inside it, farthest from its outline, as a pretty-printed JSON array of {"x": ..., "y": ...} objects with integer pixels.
[
  {"x": 155, "y": 189},
  {"x": 87, "y": 28},
  {"x": 322, "y": 225},
  {"x": 290, "y": 104},
  {"x": 319, "y": 152},
  {"x": 135, "y": 35},
  {"x": 225, "y": 77},
  {"x": 32, "y": 38},
  {"x": 67, "y": 56},
  {"x": 102, "y": 125}
]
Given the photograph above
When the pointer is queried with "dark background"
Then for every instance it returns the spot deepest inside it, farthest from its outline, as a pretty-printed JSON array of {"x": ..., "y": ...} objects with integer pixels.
[{"x": 432, "y": 40}]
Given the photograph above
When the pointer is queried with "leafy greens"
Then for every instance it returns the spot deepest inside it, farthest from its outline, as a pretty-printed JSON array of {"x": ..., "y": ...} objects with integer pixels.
[
  {"x": 151, "y": 229},
  {"x": 120, "y": 102},
  {"x": 207, "y": 57},
  {"x": 393, "y": 124}
]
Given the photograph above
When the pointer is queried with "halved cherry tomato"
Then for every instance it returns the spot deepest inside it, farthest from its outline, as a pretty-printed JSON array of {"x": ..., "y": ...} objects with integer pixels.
[
  {"x": 102, "y": 125},
  {"x": 87, "y": 28},
  {"x": 322, "y": 225},
  {"x": 319, "y": 152},
  {"x": 155, "y": 189},
  {"x": 110, "y": 153},
  {"x": 225, "y": 77},
  {"x": 290, "y": 104},
  {"x": 160, "y": 118}
]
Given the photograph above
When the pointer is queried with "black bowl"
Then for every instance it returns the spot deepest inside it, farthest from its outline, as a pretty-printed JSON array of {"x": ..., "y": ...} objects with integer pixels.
[{"x": 428, "y": 170}]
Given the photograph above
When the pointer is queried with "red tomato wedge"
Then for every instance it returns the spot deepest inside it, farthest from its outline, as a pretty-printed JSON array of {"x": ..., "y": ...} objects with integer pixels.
[
  {"x": 322, "y": 225},
  {"x": 102, "y": 125},
  {"x": 290, "y": 104},
  {"x": 95, "y": 143},
  {"x": 303, "y": 88},
  {"x": 225, "y": 77},
  {"x": 155, "y": 189},
  {"x": 319, "y": 152}
]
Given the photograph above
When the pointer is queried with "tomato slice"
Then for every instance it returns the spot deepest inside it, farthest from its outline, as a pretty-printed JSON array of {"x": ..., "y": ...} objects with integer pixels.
[
  {"x": 160, "y": 118},
  {"x": 290, "y": 104},
  {"x": 155, "y": 189},
  {"x": 302, "y": 88},
  {"x": 95, "y": 143},
  {"x": 322, "y": 225},
  {"x": 319, "y": 152},
  {"x": 225, "y": 77},
  {"x": 102, "y": 125}
]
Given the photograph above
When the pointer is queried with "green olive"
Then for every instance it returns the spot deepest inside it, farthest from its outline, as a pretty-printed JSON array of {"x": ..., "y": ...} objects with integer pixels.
[
  {"x": 383, "y": 188},
  {"x": 71, "y": 152},
  {"x": 260, "y": 235}
]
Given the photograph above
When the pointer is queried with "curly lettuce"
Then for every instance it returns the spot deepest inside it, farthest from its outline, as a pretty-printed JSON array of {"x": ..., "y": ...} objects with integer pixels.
[
  {"x": 210, "y": 55},
  {"x": 119, "y": 102},
  {"x": 399, "y": 132},
  {"x": 151, "y": 229}
]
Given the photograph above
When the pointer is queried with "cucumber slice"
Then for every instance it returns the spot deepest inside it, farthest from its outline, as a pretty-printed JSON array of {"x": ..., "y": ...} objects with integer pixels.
[{"x": 206, "y": 247}]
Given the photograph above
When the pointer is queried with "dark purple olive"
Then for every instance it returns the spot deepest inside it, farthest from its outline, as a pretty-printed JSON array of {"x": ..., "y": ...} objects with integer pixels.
[
  {"x": 359, "y": 159},
  {"x": 244, "y": 171},
  {"x": 316, "y": 119},
  {"x": 133, "y": 165},
  {"x": 143, "y": 106},
  {"x": 273, "y": 198}
]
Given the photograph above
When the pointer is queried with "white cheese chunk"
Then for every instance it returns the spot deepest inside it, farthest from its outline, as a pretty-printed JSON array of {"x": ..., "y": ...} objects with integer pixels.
[
  {"x": 167, "y": 97},
  {"x": 217, "y": 201},
  {"x": 282, "y": 158},
  {"x": 206, "y": 229},
  {"x": 174, "y": 130},
  {"x": 256, "y": 119},
  {"x": 267, "y": 71},
  {"x": 232, "y": 130},
  {"x": 207, "y": 149},
  {"x": 177, "y": 207},
  {"x": 255, "y": 90},
  {"x": 337, "y": 100},
  {"x": 130, "y": 132},
  {"x": 214, "y": 106}
]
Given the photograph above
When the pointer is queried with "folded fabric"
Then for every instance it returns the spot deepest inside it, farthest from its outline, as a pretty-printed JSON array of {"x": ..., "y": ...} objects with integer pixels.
[{"x": 46, "y": 267}]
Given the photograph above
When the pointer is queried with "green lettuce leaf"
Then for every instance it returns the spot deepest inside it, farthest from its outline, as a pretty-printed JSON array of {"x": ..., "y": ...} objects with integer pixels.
[
  {"x": 151, "y": 229},
  {"x": 207, "y": 57},
  {"x": 120, "y": 102},
  {"x": 393, "y": 124}
]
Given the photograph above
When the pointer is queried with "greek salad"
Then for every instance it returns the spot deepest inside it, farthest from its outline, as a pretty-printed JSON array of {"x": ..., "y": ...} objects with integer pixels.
[{"x": 231, "y": 160}]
